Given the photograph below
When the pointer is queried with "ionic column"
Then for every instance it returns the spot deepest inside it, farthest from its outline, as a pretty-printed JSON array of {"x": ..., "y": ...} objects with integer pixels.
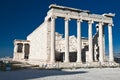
[
  {"x": 101, "y": 47},
  {"x": 66, "y": 40},
  {"x": 52, "y": 58},
  {"x": 90, "y": 41},
  {"x": 79, "y": 41},
  {"x": 111, "y": 58}
]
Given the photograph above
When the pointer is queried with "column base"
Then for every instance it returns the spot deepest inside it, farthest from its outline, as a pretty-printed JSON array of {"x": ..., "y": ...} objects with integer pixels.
[
  {"x": 52, "y": 61},
  {"x": 90, "y": 61},
  {"x": 113, "y": 63},
  {"x": 78, "y": 61},
  {"x": 66, "y": 61},
  {"x": 101, "y": 60}
]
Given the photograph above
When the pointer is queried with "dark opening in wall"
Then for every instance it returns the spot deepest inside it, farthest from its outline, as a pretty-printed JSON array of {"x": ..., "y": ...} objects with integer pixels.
[
  {"x": 27, "y": 46},
  {"x": 20, "y": 46}
]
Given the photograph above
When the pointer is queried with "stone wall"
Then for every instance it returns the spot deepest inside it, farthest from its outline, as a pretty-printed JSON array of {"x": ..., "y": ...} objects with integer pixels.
[{"x": 38, "y": 43}]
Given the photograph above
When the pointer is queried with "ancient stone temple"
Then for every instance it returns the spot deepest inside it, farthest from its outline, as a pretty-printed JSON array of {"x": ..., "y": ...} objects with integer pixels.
[{"x": 46, "y": 47}]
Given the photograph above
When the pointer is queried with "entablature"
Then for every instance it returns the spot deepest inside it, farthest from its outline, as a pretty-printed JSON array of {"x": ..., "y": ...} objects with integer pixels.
[
  {"x": 16, "y": 41},
  {"x": 72, "y": 13}
]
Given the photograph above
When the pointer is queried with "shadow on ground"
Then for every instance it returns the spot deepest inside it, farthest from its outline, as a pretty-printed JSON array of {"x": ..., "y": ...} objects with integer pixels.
[{"x": 33, "y": 73}]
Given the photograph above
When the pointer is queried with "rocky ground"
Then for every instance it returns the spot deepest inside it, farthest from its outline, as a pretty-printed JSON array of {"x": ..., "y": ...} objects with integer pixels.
[{"x": 65, "y": 74}]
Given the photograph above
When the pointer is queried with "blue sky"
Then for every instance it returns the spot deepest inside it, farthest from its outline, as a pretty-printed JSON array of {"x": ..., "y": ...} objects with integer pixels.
[{"x": 18, "y": 18}]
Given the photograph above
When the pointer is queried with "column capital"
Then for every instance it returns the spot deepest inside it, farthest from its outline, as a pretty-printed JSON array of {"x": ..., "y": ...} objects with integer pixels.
[
  {"x": 111, "y": 24},
  {"x": 79, "y": 20},
  {"x": 15, "y": 43},
  {"x": 53, "y": 17},
  {"x": 23, "y": 43},
  {"x": 67, "y": 19},
  {"x": 100, "y": 23},
  {"x": 90, "y": 21}
]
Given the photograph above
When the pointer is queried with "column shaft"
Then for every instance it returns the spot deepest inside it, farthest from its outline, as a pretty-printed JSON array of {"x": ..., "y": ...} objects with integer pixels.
[
  {"x": 79, "y": 41},
  {"x": 52, "y": 59},
  {"x": 111, "y": 58},
  {"x": 101, "y": 53},
  {"x": 66, "y": 40},
  {"x": 90, "y": 41}
]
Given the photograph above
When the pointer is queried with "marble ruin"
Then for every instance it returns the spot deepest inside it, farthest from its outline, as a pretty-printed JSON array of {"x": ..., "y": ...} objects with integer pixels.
[{"x": 47, "y": 48}]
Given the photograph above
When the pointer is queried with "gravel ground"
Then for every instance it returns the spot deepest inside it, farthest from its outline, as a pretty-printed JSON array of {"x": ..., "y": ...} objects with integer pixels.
[{"x": 76, "y": 74}]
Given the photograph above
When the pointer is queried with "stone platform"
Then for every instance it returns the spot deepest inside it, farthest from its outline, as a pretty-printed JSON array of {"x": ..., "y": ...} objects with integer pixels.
[{"x": 60, "y": 65}]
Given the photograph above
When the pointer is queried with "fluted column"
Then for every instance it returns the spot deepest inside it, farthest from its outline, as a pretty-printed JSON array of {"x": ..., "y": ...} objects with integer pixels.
[
  {"x": 111, "y": 58},
  {"x": 52, "y": 58},
  {"x": 101, "y": 53},
  {"x": 90, "y": 41},
  {"x": 79, "y": 41},
  {"x": 66, "y": 40}
]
